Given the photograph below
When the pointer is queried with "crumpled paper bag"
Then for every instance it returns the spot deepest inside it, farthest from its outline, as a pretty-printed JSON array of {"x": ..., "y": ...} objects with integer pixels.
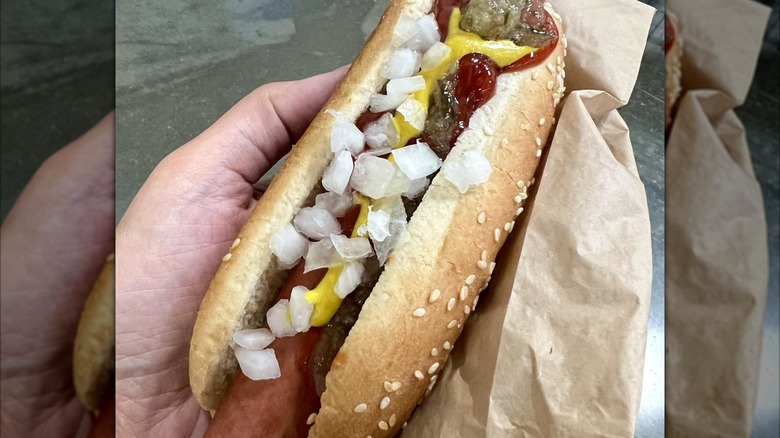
[
  {"x": 716, "y": 253},
  {"x": 557, "y": 345}
]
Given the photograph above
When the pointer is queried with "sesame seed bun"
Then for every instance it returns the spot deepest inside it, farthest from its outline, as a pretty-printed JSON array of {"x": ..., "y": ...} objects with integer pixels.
[
  {"x": 93, "y": 349},
  {"x": 405, "y": 330}
]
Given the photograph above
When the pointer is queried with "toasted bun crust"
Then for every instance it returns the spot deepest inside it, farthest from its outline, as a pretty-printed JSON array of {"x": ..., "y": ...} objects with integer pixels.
[
  {"x": 450, "y": 247},
  {"x": 93, "y": 349},
  {"x": 673, "y": 61}
]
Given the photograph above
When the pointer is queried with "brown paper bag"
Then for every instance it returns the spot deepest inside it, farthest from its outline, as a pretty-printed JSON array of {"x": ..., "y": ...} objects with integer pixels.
[
  {"x": 717, "y": 261},
  {"x": 557, "y": 346}
]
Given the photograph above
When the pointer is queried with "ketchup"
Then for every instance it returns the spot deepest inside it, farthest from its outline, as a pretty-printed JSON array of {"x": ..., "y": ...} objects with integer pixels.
[
  {"x": 475, "y": 85},
  {"x": 670, "y": 34},
  {"x": 443, "y": 11},
  {"x": 366, "y": 118}
]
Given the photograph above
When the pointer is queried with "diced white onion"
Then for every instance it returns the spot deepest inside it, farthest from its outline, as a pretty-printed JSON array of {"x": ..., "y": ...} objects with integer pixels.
[
  {"x": 402, "y": 64},
  {"x": 321, "y": 254},
  {"x": 378, "y": 225},
  {"x": 254, "y": 339},
  {"x": 404, "y": 30},
  {"x": 345, "y": 135},
  {"x": 258, "y": 365},
  {"x": 379, "y": 103},
  {"x": 398, "y": 184},
  {"x": 437, "y": 54},
  {"x": 372, "y": 175},
  {"x": 278, "y": 321},
  {"x": 334, "y": 203},
  {"x": 426, "y": 34},
  {"x": 417, "y": 187},
  {"x": 351, "y": 248},
  {"x": 350, "y": 278},
  {"x": 288, "y": 246},
  {"x": 300, "y": 309},
  {"x": 378, "y": 152},
  {"x": 414, "y": 112},
  {"x": 466, "y": 169},
  {"x": 417, "y": 160},
  {"x": 382, "y": 133},
  {"x": 316, "y": 223},
  {"x": 395, "y": 208},
  {"x": 405, "y": 85},
  {"x": 338, "y": 172}
]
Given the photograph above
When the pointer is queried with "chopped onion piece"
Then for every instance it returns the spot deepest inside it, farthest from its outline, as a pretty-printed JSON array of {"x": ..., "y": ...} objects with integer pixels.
[
  {"x": 398, "y": 184},
  {"x": 278, "y": 320},
  {"x": 334, "y": 203},
  {"x": 438, "y": 53},
  {"x": 345, "y": 135},
  {"x": 254, "y": 339},
  {"x": 395, "y": 208},
  {"x": 466, "y": 169},
  {"x": 378, "y": 152},
  {"x": 405, "y": 85},
  {"x": 288, "y": 246},
  {"x": 351, "y": 248},
  {"x": 321, "y": 254},
  {"x": 316, "y": 223},
  {"x": 414, "y": 112},
  {"x": 382, "y": 133},
  {"x": 417, "y": 160},
  {"x": 258, "y": 365},
  {"x": 405, "y": 29},
  {"x": 336, "y": 176},
  {"x": 378, "y": 225},
  {"x": 379, "y": 103},
  {"x": 350, "y": 278},
  {"x": 402, "y": 64},
  {"x": 426, "y": 35},
  {"x": 417, "y": 187},
  {"x": 372, "y": 175},
  {"x": 300, "y": 309}
]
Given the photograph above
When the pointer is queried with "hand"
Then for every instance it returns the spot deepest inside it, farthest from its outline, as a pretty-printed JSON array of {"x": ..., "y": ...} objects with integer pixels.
[
  {"x": 171, "y": 240},
  {"x": 53, "y": 243}
]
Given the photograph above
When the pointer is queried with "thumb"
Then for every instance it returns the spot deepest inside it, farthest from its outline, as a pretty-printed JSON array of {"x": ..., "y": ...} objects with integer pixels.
[{"x": 253, "y": 135}]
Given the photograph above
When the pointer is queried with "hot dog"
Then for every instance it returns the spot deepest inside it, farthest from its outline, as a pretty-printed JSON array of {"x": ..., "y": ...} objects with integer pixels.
[
  {"x": 440, "y": 124},
  {"x": 673, "y": 52},
  {"x": 93, "y": 353}
]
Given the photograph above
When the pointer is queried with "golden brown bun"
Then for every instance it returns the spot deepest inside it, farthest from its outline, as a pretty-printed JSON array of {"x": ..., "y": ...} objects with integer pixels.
[
  {"x": 444, "y": 251},
  {"x": 93, "y": 349},
  {"x": 673, "y": 60}
]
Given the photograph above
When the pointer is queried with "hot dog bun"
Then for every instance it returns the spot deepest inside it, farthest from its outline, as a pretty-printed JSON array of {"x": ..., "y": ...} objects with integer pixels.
[
  {"x": 450, "y": 247},
  {"x": 673, "y": 61},
  {"x": 93, "y": 348}
]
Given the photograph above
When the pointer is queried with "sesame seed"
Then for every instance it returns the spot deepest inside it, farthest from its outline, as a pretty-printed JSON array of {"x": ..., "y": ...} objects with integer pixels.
[
  {"x": 235, "y": 243},
  {"x": 460, "y": 324},
  {"x": 434, "y": 351},
  {"x": 419, "y": 312},
  {"x": 452, "y": 324},
  {"x": 550, "y": 67},
  {"x": 464, "y": 292},
  {"x": 492, "y": 267},
  {"x": 538, "y": 153},
  {"x": 563, "y": 74},
  {"x": 534, "y": 75},
  {"x": 433, "y": 380},
  {"x": 496, "y": 234},
  {"x": 519, "y": 210},
  {"x": 404, "y": 426},
  {"x": 505, "y": 141},
  {"x": 511, "y": 226},
  {"x": 467, "y": 310},
  {"x": 388, "y": 387},
  {"x": 564, "y": 41},
  {"x": 419, "y": 375},
  {"x": 487, "y": 109},
  {"x": 451, "y": 304},
  {"x": 227, "y": 257},
  {"x": 506, "y": 226},
  {"x": 396, "y": 386},
  {"x": 383, "y": 425},
  {"x": 481, "y": 217},
  {"x": 542, "y": 120},
  {"x": 488, "y": 130},
  {"x": 481, "y": 264},
  {"x": 523, "y": 195},
  {"x": 520, "y": 184},
  {"x": 538, "y": 141},
  {"x": 559, "y": 59},
  {"x": 434, "y": 295},
  {"x": 311, "y": 418},
  {"x": 433, "y": 368},
  {"x": 384, "y": 403},
  {"x": 550, "y": 85},
  {"x": 518, "y": 199},
  {"x": 447, "y": 345},
  {"x": 530, "y": 183},
  {"x": 476, "y": 300},
  {"x": 361, "y": 408},
  {"x": 483, "y": 256},
  {"x": 392, "y": 420},
  {"x": 470, "y": 279}
]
